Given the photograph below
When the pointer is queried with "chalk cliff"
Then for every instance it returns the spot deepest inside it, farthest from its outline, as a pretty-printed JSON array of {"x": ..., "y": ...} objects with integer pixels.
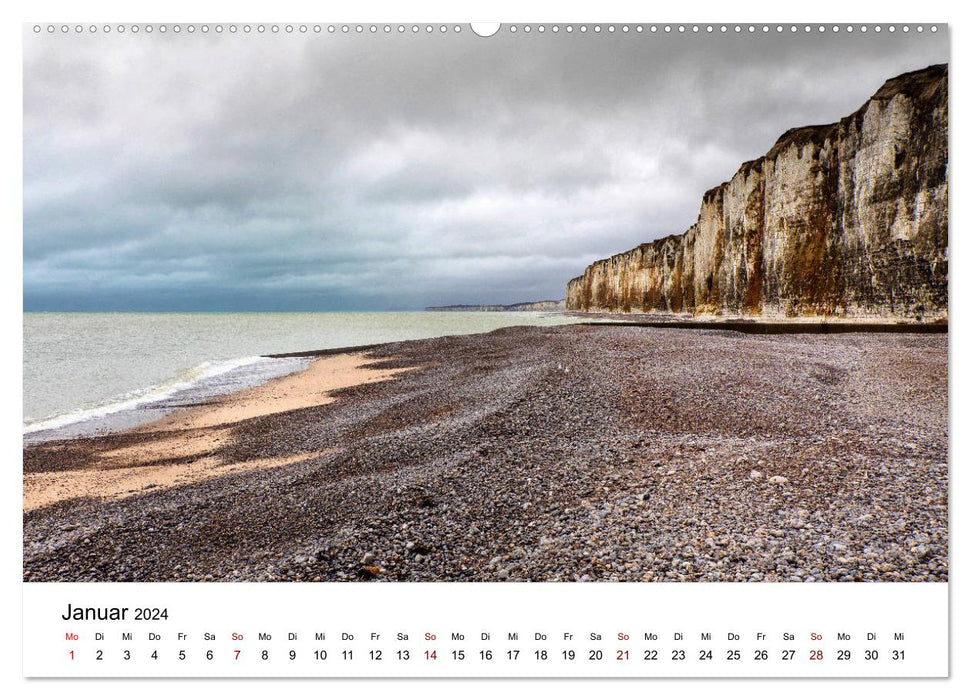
[{"x": 842, "y": 220}]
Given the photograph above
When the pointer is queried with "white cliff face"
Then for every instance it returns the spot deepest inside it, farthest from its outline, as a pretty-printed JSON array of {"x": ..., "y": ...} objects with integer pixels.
[{"x": 842, "y": 220}]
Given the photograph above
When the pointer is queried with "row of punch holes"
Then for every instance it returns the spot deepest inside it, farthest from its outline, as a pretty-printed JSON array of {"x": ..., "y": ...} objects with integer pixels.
[{"x": 487, "y": 30}]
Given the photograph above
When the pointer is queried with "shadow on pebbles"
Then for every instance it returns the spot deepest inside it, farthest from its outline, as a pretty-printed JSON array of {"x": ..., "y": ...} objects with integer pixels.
[{"x": 559, "y": 454}]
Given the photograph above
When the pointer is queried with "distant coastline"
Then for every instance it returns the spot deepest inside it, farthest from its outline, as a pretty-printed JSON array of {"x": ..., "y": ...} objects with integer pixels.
[{"x": 545, "y": 305}]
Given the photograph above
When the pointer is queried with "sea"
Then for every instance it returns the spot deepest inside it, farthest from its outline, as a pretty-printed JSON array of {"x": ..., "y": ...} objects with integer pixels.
[{"x": 91, "y": 373}]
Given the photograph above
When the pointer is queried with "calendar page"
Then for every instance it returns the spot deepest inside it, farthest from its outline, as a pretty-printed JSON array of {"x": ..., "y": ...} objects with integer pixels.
[{"x": 470, "y": 350}]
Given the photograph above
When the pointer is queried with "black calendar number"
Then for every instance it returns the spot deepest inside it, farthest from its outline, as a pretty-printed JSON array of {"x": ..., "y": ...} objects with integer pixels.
[
  {"x": 458, "y": 654},
  {"x": 181, "y": 654},
  {"x": 486, "y": 655},
  {"x": 788, "y": 654},
  {"x": 151, "y": 613},
  {"x": 375, "y": 654},
  {"x": 569, "y": 655},
  {"x": 403, "y": 655},
  {"x": 265, "y": 655},
  {"x": 650, "y": 654},
  {"x": 596, "y": 655},
  {"x": 677, "y": 655},
  {"x": 898, "y": 655},
  {"x": 293, "y": 654},
  {"x": 843, "y": 655},
  {"x": 320, "y": 654},
  {"x": 155, "y": 654},
  {"x": 127, "y": 655},
  {"x": 541, "y": 655},
  {"x": 871, "y": 655},
  {"x": 704, "y": 655},
  {"x": 761, "y": 654},
  {"x": 209, "y": 655},
  {"x": 733, "y": 655},
  {"x": 99, "y": 655}
]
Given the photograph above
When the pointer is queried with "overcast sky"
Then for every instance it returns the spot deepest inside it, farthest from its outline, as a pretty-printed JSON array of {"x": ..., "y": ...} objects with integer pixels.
[{"x": 319, "y": 171}]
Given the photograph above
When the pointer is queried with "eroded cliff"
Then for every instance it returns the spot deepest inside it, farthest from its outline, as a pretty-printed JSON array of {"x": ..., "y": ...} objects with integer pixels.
[{"x": 842, "y": 220}]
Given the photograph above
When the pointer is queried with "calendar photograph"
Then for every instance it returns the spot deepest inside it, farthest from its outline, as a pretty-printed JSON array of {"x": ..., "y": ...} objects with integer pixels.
[{"x": 463, "y": 303}]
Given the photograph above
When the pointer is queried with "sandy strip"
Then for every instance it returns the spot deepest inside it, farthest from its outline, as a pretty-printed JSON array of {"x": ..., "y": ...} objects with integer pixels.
[{"x": 181, "y": 447}]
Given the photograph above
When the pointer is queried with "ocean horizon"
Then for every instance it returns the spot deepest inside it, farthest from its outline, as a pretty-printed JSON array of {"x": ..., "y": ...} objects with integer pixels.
[{"x": 94, "y": 371}]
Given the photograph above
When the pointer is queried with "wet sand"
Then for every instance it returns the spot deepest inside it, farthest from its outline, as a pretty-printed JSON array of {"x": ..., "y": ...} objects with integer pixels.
[
  {"x": 183, "y": 447},
  {"x": 569, "y": 453}
]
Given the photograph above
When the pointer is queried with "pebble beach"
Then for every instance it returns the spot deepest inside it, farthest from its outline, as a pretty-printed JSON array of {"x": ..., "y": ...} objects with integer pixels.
[{"x": 570, "y": 453}]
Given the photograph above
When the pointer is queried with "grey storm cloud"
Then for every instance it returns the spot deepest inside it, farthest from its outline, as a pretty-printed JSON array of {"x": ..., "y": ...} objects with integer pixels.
[{"x": 331, "y": 171}]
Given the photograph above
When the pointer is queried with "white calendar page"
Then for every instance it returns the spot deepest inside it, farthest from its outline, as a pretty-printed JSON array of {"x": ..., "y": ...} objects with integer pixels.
[{"x": 358, "y": 349}]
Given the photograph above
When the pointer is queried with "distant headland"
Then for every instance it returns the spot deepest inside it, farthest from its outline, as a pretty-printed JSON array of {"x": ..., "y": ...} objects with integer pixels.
[{"x": 546, "y": 305}]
